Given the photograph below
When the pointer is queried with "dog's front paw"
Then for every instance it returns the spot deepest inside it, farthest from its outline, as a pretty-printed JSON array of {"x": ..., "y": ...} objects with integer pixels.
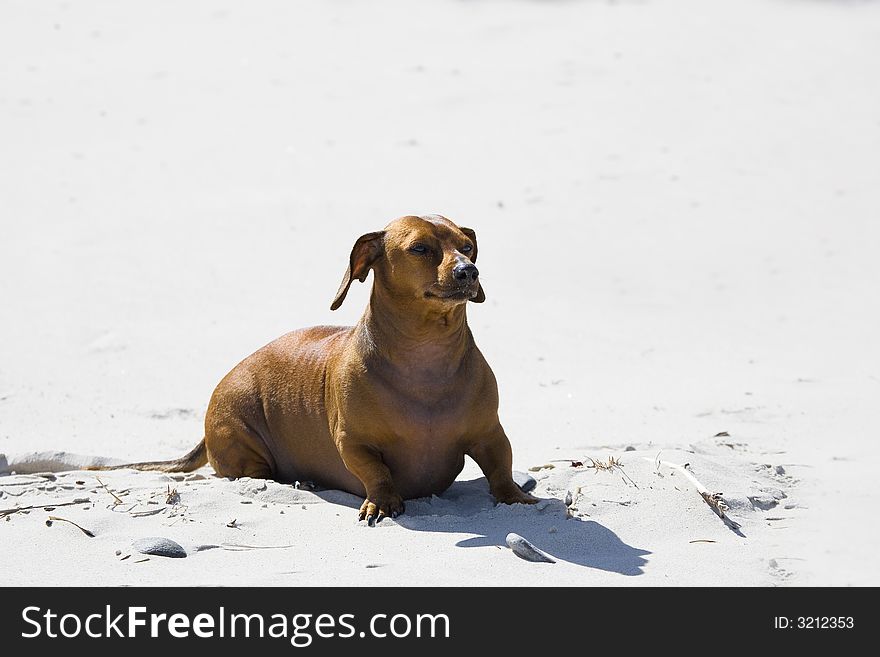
[
  {"x": 376, "y": 507},
  {"x": 513, "y": 495}
]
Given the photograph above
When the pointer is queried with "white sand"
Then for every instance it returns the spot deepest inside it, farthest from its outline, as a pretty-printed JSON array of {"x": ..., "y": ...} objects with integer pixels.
[{"x": 677, "y": 208}]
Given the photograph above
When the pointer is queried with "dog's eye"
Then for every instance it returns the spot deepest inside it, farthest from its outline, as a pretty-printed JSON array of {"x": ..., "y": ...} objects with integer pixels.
[
  {"x": 420, "y": 249},
  {"x": 467, "y": 248}
]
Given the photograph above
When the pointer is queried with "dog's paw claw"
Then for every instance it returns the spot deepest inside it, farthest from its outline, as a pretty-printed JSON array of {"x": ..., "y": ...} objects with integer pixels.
[
  {"x": 515, "y": 496},
  {"x": 375, "y": 512}
]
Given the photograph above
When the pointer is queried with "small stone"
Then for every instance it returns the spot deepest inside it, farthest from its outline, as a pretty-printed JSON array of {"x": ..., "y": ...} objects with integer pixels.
[
  {"x": 552, "y": 530},
  {"x": 525, "y": 550},
  {"x": 780, "y": 470},
  {"x": 247, "y": 501},
  {"x": 773, "y": 563},
  {"x": 629, "y": 448},
  {"x": 525, "y": 481},
  {"x": 160, "y": 547},
  {"x": 118, "y": 552}
]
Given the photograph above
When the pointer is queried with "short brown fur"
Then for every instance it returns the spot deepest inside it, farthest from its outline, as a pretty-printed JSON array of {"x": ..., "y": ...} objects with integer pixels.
[{"x": 386, "y": 409}]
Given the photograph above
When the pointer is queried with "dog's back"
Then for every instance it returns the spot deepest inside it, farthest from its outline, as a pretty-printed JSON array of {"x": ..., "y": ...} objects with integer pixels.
[{"x": 278, "y": 394}]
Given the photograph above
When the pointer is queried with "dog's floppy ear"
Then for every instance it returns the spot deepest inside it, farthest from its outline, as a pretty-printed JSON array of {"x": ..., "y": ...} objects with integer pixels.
[
  {"x": 481, "y": 296},
  {"x": 363, "y": 254}
]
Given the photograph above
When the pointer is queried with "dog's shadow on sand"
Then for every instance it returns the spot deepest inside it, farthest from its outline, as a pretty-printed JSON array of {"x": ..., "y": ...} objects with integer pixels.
[{"x": 468, "y": 508}]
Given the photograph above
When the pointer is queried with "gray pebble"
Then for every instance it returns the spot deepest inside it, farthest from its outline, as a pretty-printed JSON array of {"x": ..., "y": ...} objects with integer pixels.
[
  {"x": 524, "y": 481},
  {"x": 525, "y": 550},
  {"x": 161, "y": 547},
  {"x": 780, "y": 470}
]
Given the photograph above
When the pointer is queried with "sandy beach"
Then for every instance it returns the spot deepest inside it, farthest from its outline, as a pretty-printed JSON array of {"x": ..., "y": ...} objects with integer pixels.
[{"x": 677, "y": 205}]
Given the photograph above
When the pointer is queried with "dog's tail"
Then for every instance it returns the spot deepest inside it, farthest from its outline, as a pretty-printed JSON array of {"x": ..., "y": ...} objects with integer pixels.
[{"x": 196, "y": 458}]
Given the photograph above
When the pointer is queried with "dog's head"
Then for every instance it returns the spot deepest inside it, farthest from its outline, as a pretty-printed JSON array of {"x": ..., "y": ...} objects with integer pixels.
[{"x": 427, "y": 259}]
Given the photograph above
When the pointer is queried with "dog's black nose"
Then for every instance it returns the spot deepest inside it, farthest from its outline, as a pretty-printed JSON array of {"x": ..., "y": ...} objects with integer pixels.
[{"x": 466, "y": 272}]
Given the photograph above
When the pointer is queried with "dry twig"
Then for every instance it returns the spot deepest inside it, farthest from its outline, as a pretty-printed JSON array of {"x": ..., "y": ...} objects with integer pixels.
[
  {"x": 9, "y": 512},
  {"x": 612, "y": 464},
  {"x": 115, "y": 496},
  {"x": 82, "y": 529},
  {"x": 714, "y": 500},
  {"x": 172, "y": 496}
]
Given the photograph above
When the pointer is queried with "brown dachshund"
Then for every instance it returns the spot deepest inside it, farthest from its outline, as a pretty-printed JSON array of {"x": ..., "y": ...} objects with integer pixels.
[{"x": 386, "y": 409}]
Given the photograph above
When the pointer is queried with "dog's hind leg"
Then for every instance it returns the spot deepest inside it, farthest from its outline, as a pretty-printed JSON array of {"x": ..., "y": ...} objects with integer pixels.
[{"x": 235, "y": 450}]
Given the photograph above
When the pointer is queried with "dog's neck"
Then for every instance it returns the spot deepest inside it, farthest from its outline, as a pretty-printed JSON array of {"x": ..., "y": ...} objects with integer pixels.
[{"x": 414, "y": 336}]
